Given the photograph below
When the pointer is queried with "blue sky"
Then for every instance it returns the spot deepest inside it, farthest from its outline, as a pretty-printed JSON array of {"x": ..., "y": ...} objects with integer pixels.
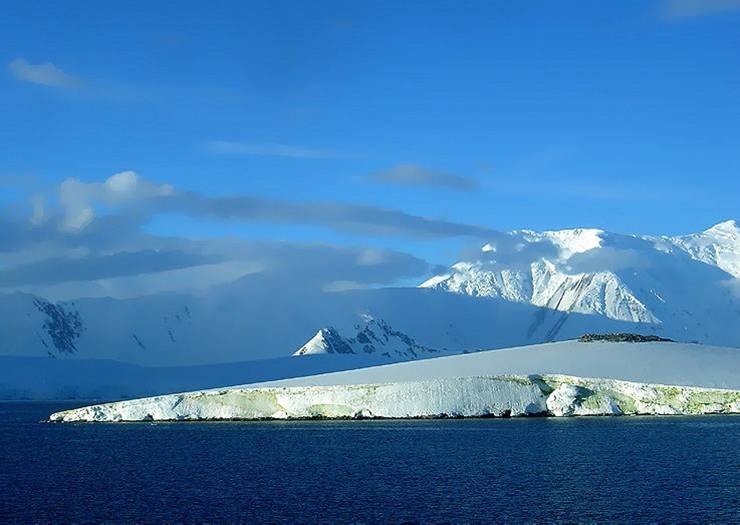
[{"x": 541, "y": 115}]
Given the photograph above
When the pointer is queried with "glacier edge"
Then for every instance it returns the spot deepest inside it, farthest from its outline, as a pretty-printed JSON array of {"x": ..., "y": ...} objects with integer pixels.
[{"x": 469, "y": 396}]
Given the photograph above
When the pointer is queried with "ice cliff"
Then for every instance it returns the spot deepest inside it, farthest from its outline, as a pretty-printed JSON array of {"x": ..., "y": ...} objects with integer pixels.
[{"x": 484, "y": 396}]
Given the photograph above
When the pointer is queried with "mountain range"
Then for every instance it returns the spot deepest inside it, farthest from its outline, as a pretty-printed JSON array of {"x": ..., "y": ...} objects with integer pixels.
[{"x": 525, "y": 287}]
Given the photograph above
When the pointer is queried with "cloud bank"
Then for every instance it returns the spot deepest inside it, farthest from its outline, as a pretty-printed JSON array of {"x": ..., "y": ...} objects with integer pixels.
[{"x": 90, "y": 238}]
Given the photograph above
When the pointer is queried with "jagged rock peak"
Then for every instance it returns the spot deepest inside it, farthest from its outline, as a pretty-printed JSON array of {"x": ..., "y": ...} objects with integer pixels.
[
  {"x": 372, "y": 337},
  {"x": 326, "y": 341}
]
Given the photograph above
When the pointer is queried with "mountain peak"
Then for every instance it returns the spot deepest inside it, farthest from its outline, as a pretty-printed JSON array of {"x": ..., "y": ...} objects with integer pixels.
[
  {"x": 374, "y": 336},
  {"x": 725, "y": 227},
  {"x": 326, "y": 341},
  {"x": 577, "y": 240}
]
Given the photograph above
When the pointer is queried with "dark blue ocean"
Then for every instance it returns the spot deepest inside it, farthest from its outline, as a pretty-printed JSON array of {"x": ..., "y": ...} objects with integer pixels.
[{"x": 509, "y": 470}]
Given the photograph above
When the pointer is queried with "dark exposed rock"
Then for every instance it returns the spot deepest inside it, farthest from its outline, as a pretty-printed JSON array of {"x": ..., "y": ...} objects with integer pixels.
[
  {"x": 63, "y": 326},
  {"x": 622, "y": 338},
  {"x": 336, "y": 344}
]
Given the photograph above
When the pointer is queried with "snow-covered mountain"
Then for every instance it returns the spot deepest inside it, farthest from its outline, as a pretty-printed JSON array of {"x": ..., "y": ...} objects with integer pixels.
[
  {"x": 718, "y": 246},
  {"x": 544, "y": 283},
  {"x": 687, "y": 285},
  {"x": 525, "y": 288},
  {"x": 373, "y": 337}
]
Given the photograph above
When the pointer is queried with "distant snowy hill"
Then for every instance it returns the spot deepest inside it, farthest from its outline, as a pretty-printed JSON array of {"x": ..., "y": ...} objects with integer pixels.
[
  {"x": 373, "y": 337},
  {"x": 649, "y": 362}
]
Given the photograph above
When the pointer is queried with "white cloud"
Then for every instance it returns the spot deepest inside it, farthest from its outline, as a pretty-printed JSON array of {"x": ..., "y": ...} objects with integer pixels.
[
  {"x": 79, "y": 198},
  {"x": 696, "y": 8},
  {"x": 46, "y": 74}
]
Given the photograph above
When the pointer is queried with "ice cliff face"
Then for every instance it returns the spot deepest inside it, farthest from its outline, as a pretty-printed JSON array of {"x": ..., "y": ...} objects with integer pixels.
[
  {"x": 496, "y": 396},
  {"x": 373, "y": 337}
]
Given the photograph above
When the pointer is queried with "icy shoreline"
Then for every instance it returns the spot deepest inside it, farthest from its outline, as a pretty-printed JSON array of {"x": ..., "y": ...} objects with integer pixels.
[{"x": 471, "y": 396}]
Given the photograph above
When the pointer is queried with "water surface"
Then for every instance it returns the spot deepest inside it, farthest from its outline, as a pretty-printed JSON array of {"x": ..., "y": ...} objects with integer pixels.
[{"x": 583, "y": 469}]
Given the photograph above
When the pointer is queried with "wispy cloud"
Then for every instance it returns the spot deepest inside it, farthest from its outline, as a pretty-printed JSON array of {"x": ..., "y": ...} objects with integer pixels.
[
  {"x": 46, "y": 74},
  {"x": 130, "y": 193},
  {"x": 414, "y": 175},
  {"x": 696, "y": 8},
  {"x": 270, "y": 150},
  {"x": 344, "y": 217}
]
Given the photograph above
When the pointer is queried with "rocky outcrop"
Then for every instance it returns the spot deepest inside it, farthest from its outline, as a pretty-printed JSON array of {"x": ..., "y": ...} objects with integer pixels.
[{"x": 623, "y": 338}]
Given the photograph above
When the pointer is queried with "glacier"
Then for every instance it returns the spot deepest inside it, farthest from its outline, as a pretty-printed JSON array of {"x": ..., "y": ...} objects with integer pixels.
[{"x": 672, "y": 379}]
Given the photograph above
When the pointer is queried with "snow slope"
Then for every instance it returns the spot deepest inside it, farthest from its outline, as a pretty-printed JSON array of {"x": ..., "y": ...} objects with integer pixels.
[
  {"x": 473, "y": 385},
  {"x": 718, "y": 246},
  {"x": 655, "y": 362},
  {"x": 542, "y": 283}
]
